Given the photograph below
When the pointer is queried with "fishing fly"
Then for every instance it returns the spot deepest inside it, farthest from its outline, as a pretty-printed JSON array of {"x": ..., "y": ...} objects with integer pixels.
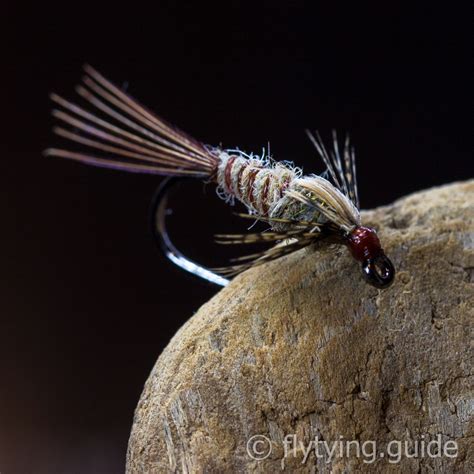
[{"x": 298, "y": 209}]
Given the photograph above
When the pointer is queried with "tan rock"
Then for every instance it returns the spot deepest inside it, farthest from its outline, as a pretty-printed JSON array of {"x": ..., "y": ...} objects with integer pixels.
[{"x": 303, "y": 348}]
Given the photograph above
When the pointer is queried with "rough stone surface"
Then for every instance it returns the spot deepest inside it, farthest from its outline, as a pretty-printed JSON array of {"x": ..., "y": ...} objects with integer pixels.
[{"x": 302, "y": 346}]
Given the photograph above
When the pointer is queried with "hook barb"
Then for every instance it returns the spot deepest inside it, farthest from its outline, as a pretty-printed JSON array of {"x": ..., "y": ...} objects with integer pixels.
[{"x": 160, "y": 234}]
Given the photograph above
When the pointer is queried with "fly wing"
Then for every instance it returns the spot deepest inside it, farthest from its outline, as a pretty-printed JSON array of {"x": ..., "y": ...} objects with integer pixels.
[{"x": 342, "y": 170}]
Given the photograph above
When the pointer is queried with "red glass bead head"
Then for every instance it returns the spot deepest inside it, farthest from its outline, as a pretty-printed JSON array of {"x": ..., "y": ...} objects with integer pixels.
[{"x": 364, "y": 243}]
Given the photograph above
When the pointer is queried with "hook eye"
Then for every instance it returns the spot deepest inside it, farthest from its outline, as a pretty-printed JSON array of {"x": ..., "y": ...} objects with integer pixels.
[{"x": 378, "y": 271}]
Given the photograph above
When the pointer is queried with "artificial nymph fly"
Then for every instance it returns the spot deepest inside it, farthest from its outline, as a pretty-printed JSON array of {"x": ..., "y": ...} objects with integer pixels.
[{"x": 299, "y": 209}]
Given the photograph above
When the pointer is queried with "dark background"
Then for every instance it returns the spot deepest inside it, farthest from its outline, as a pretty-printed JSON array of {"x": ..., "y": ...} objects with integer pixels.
[{"x": 87, "y": 303}]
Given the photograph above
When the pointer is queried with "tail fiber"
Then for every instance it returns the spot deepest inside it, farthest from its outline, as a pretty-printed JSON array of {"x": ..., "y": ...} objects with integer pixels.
[{"x": 127, "y": 136}]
